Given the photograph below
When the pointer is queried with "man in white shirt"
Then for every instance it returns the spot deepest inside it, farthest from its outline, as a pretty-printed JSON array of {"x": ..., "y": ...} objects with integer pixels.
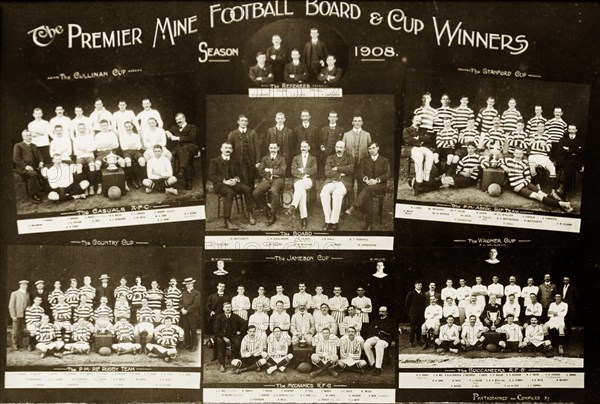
[
  {"x": 472, "y": 333},
  {"x": 449, "y": 337},
  {"x": 511, "y": 307},
  {"x": 152, "y": 136},
  {"x": 280, "y": 319},
  {"x": 84, "y": 147},
  {"x": 106, "y": 142},
  {"x": 325, "y": 356},
  {"x": 146, "y": 114},
  {"x": 240, "y": 304},
  {"x": 79, "y": 119},
  {"x": 338, "y": 305},
  {"x": 514, "y": 334},
  {"x": 261, "y": 299},
  {"x": 448, "y": 291},
  {"x": 431, "y": 326},
  {"x": 302, "y": 326},
  {"x": 353, "y": 320},
  {"x": 277, "y": 349},
  {"x": 62, "y": 181},
  {"x": 479, "y": 291},
  {"x": 535, "y": 338},
  {"x": 279, "y": 296},
  {"x": 160, "y": 173},
  {"x": 557, "y": 312},
  {"x": 363, "y": 307},
  {"x": 528, "y": 290},
  {"x": 379, "y": 273},
  {"x": 317, "y": 300},
  {"x": 463, "y": 295},
  {"x": 61, "y": 144},
  {"x": 301, "y": 297},
  {"x": 304, "y": 167},
  {"x": 496, "y": 289},
  {"x": 59, "y": 120},
  {"x": 532, "y": 308},
  {"x": 351, "y": 346},
  {"x": 121, "y": 116},
  {"x": 260, "y": 320},
  {"x": 324, "y": 320},
  {"x": 135, "y": 163},
  {"x": 40, "y": 129},
  {"x": 252, "y": 352},
  {"x": 98, "y": 115},
  {"x": 513, "y": 289}
]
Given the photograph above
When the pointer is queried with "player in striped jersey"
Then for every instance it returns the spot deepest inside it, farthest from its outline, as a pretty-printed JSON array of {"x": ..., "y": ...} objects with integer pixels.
[
  {"x": 317, "y": 300},
  {"x": 539, "y": 156},
  {"x": 84, "y": 310},
  {"x": 279, "y": 318},
  {"x": 465, "y": 136},
  {"x": 466, "y": 174},
  {"x": 510, "y": 117},
  {"x": 449, "y": 337},
  {"x": 145, "y": 324},
  {"x": 556, "y": 127},
  {"x": 82, "y": 334},
  {"x": 514, "y": 334},
  {"x": 72, "y": 296},
  {"x": 261, "y": 299},
  {"x": 535, "y": 338},
  {"x": 279, "y": 296},
  {"x": 445, "y": 142},
  {"x": 62, "y": 318},
  {"x": 122, "y": 308},
  {"x": 252, "y": 351},
  {"x": 138, "y": 291},
  {"x": 325, "y": 356},
  {"x": 155, "y": 297},
  {"x": 125, "y": 335},
  {"x": 496, "y": 140},
  {"x": 240, "y": 304},
  {"x": 173, "y": 293},
  {"x": 166, "y": 336},
  {"x": 278, "y": 344},
  {"x": 472, "y": 333},
  {"x": 483, "y": 123},
  {"x": 363, "y": 307},
  {"x": 103, "y": 310},
  {"x": 517, "y": 138},
  {"x": 351, "y": 346},
  {"x": 338, "y": 305},
  {"x": 462, "y": 114},
  {"x": 122, "y": 289},
  {"x": 324, "y": 320},
  {"x": 532, "y": 124},
  {"x": 53, "y": 296},
  {"x": 33, "y": 316},
  {"x": 352, "y": 320},
  {"x": 88, "y": 290},
  {"x": 301, "y": 297},
  {"x": 260, "y": 320},
  {"x": 426, "y": 112},
  {"x": 442, "y": 113},
  {"x": 46, "y": 336},
  {"x": 169, "y": 312},
  {"x": 519, "y": 178}
]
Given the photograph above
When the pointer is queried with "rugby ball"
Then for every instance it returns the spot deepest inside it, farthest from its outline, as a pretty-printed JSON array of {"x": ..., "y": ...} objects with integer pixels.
[
  {"x": 104, "y": 351},
  {"x": 494, "y": 190},
  {"x": 491, "y": 347},
  {"x": 304, "y": 367}
]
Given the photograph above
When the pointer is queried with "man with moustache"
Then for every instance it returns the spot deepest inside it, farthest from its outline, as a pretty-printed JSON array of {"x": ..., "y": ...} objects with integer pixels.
[
  {"x": 304, "y": 168},
  {"x": 246, "y": 150},
  {"x": 184, "y": 144},
  {"x": 547, "y": 291},
  {"x": 306, "y": 132},
  {"x": 382, "y": 331},
  {"x": 339, "y": 169},
  {"x": 357, "y": 142},
  {"x": 272, "y": 169},
  {"x": 228, "y": 329},
  {"x": 28, "y": 160},
  {"x": 414, "y": 305},
  {"x": 283, "y": 136},
  {"x": 190, "y": 314},
  {"x": 295, "y": 71},
  {"x": 330, "y": 135}
]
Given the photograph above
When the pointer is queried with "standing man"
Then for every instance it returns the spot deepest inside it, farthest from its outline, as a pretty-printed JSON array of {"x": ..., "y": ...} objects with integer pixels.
[
  {"x": 339, "y": 170},
  {"x": 246, "y": 150},
  {"x": 98, "y": 115},
  {"x": 280, "y": 319},
  {"x": 462, "y": 114},
  {"x": 510, "y": 117},
  {"x": 315, "y": 53},
  {"x": 486, "y": 115},
  {"x": 330, "y": 135},
  {"x": 277, "y": 58},
  {"x": 225, "y": 174},
  {"x": 363, "y": 308},
  {"x": 382, "y": 332},
  {"x": 272, "y": 169},
  {"x": 147, "y": 113},
  {"x": 28, "y": 160},
  {"x": 190, "y": 314},
  {"x": 19, "y": 301},
  {"x": 338, "y": 305},
  {"x": 569, "y": 156},
  {"x": 120, "y": 117},
  {"x": 547, "y": 291},
  {"x": 304, "y": 168},
  {"x": 301, "y": 298},
  {"x": 39, "y": 129},
  {"x": 357, "y": 142},
  {"x": 283, "y": 136},
  {"x": 414, "y": 305},
  {"x": 104, "y": 290},
  {"x": 59, "y": 120},
  {"x": 556, "y": 128},
  {"x": 373, "y": 173},
  {"x": 228, "y": 330},
  {"x": 184, "y": 145},
  {"x": 214, "y": 307},
  {"x": 532, "y": 124},
  {"x": 570, "y": 296},
  {"x": 306, "y": 132},
  {"x": 426, "y": 112}
]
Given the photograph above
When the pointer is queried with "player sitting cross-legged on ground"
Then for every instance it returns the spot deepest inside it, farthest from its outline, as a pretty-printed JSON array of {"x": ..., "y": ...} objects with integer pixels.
[
  {"x": 48, "y": 341},
  {"x": 278, "y": 344},
  {"x": 351, "y": 346},
  {"x": 449, "y": 338},
  {"x": 472, "y": 334},
  {"x": 160, "y": 173},
  {"x": 166, "y": 336},
  {"x": 252, "y": 352},
  {"x": 124, "y": 333}
]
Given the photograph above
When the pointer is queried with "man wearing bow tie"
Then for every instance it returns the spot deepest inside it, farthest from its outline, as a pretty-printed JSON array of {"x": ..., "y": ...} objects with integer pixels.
[
  {"x": 261, "y": 73},
  {"x": 184, "y": 144},
  {"x": 315, "y": 52},
  {"x": 283, "y": 136},
  {"x": 373, "y": 174},
  {"x": 357, "y": 141},
  {"x": 569, "y": 157},
  {"x": 304, "y": 167},
  {"x": 28, "y": 159},
  {"x": 246, "y": 150},
  {"x": 225, "y": 174},
  {"x": 272, "y": 169}
]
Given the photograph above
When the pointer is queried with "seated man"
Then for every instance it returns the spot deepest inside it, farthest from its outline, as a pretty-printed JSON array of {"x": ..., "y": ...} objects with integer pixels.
[
  {"x": 557, "y": 312},
  {"x": 519, "y": 177},
  {"x": 353, "y": 319},
  {"x": 450, "y": 309},
  {"x": 339, "y": 168},
  {"x": 513, "y": 333},
  {"x": 324, "y": 320},
  {"x": 535, "y": 337},
  {"x": 449, "y": 337},
  {"x": 278, "y": 344},
  {"x": 166, "y": 336},
  {"x": 421, "y": 145},
  {"x": 154, "y": 135},
  {"x": 103, "y": 327},
  {"x": 169, "y": 312},
  {"x": 63, "y": 181},
  {"x": 330, "y": 73},
  {"x": 160, "y": 173},
  {"x": 228, "y": 329},
  {"x": 27, "y": 160},
  {"x": 472, "y": 334},
  {"x": 271, "y": 168},
  {"x": 131, "y": 144},
  {"x": 533, "y": 308},
  {"x": 61, "y": 145},
  {"x": 80, "y": 337},
  {"x": 373, "y": 173},
  {"x": 122, "y": 308},
  {"x": 261, "y": 73},
  {"x": 351, "y": 346},
  {"x": 106, "y": 142},
  {"x": 295, "y": 71},
  {"x": 61, "y": 312},
  {"x": 445, "y": 141},
  {"x": 252, "y": 352},
  {"x": 431, "y": 326},
  {"x": 382, "y": 331},
  {"x": 539, "y": 156},
  {"x": 125, "y": 336},
  {"x": 511, "y": 307},
  {"x": 304, "y": 167},
  {"x": 184, "y": 142},
  {"x": 33, "y": 316},
  {"x": 48, "y": 342},
  {"x": 325, "y": 356},
  {"x": 224, "y": 173},
  {"x": 302, "y": 326},
  {"x": 491, "y": 316}
]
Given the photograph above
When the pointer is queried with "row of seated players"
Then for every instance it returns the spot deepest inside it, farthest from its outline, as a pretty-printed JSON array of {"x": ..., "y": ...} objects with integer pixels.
[
  {"x": 144, "y": 159},
  {"x": 77, "y": 332},
  {"x": 450, "y": 148},
  {"x": 318, "y": 330},
  {"x": 505, "y": 320}
]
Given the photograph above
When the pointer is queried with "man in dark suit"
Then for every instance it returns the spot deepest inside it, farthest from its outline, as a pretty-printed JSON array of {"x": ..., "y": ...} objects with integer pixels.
[
  {"x": 330, "y": 134},
  {"x": 306, "y": 132},
  {"x": 295, "y": 71},
  {"x": 432, "y": 293},
  {"x": 214, "y": 307},
  {"x": 373, "y": 174},
  {"x": 570, "y": 296},
  {"x": 569, "y": 157},
  {"x": 339, "y": 170},
  {"x": 277, "y": 58},
  {"x": 304, "y": 167},
  {"x": 330, "y": 73},
  {"x": 547, "y": 291},
  {"x": 382, "y": 331},
  {"x": 315, "y": 52},
  {"x": 224, "y": 173},
  {"x": 28, "y": 159},
  {"x": 261, "y": 73},
  {"x": 272, "y": 169},
  {"x": 105, "y": 291},
  {"x": 283, "y": 136},
  {"x": 415, "y": 307},
  {"x": 184, "y": 144},
  {"x": 357, "y": 141},
  {"x": 229, "y": 329},
  {"x": 246, "y": 150},
  {"x": 190, "y": 314}
]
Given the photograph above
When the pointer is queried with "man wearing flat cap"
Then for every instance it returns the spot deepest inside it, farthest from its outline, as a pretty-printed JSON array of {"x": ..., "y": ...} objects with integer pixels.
[
  {"x": 105, "y": 290},
  {"x": 190, "y": 314},
  {"x": 19, "y": 300}
]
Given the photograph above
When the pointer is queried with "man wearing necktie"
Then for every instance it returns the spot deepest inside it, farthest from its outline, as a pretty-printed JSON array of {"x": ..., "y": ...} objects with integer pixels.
[
  {"x": 28, "y": 159},
  {"x": 190, "y": 313},
  {"x": 570, "y": 295},
  {"x": 569, "y": 157},
  {"x": 229, "y": 329},
  {"x": 184, "y": 143},
  {"x": 246, "y": 150},
  {"x": 272, "y": 169},
  {"x": 315, "y": 52},
  {"x": 306, "y": 131},
  {"x": 339, "y": 170},
  {"x": 330, "y": 135},
  {"x": 304, "y": 167},
  {"x": 373, "y": 173},
  {"x": 547, "y": 291},
  {"x": 295, "y": 71},
  {"x": 357, "y": 141},
  {"x": 261, "y": 73},
  {"x": 283, "y": 136},
  {"x": 224, "y": 173}
]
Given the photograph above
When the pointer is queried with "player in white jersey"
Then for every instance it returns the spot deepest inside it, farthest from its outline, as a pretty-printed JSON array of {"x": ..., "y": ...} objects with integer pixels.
[
  {"x": 324, "y": 320},
  {"x": 39, "y": 129},
  {"x": 261, "y": 299},
  {"x": 496, "y": 289},
  {"x": 84, "y": 147},
  {"x": 61, "y": 144},
  {"x": 512, "y": 288},
  {"x": 79, "y": 119},
  {"x": 535, "y": 338},
  {"x": 121, "y": 116},
  {"x": 557, "y": 312},
  {"x": 513, "y": 333},
  {"x": 325, "y": 356},
  {"x": 240, "y": 304},
  {"x": 98, "y": 115},
  {"x": 279, "y": 319},
  {"x": 260, "y": 320},
  {"x": 160, "y": 173},
  {"x": 449, "y": 337},
  {"x": 351, "y": 346},
  {"x": 152, "y": 136},
  {"x": 317, "y": 300},
  {"x": 252, "y": 352},
  {"x": 279, "y": 296},
  {"x": 463, "y": 295},
  {"x": 338, "y": 305},
  {"x": 450, "y": 309},
  {"x": 146, "y": 114},
  {"x": 511, "y": 307},
  {"x": 353, "y": 319},
  {"x": 278, "y": 344},
  {"x": 473, "y": 309},
  {"x": 363, "y": 306},
  {"x": 63, "y": 181},
  {"x": 472, "y": 333},
  {"x": 448, "y": 291},
  {"x": 59, "y": 120},
  {"x": 135, "y": 163},
  {"x": 480, "y": 291},
  {"x": 431, "y": 326},
  {"x": 442, "y": 113}
]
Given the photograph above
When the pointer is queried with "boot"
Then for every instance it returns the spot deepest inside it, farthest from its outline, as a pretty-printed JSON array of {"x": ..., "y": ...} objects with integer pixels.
[{"x": 251, "y": 219}]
